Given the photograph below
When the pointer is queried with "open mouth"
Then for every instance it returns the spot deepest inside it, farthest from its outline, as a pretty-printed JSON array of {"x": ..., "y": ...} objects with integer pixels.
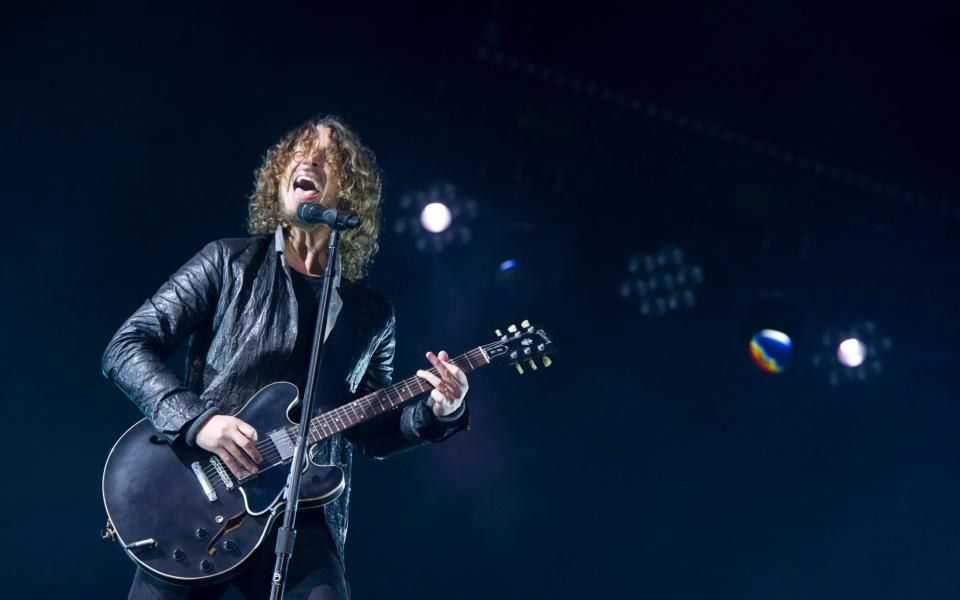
[{"x": 305, "y": 186}]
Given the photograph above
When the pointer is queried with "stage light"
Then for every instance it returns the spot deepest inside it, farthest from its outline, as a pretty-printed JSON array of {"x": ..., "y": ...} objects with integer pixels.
[
  {"x": 851, "y": 352},
  {"x": 856, "y": 353},
  {"x": 661, "y": 282},
  {"x": 507, "y": 265},
  {"x": 435, "y": 217},
  {"x": 770, "y": 350}
]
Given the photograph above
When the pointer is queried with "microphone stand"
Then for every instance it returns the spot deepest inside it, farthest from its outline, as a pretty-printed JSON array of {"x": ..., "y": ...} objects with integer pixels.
[{"x": 287, "y": 534}]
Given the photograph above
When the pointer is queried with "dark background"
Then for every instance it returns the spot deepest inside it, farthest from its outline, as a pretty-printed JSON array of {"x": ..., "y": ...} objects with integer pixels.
[{"x": 804, "y": 155}]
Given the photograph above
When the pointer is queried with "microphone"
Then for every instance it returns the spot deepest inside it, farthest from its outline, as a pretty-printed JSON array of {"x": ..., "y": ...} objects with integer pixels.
[{"x": 312, "y": 212}]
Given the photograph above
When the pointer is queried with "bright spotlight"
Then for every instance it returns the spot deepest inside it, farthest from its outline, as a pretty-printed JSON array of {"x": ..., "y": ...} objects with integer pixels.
[
  {"x": 435, "y": 217},
  {"x": 851, "y": 352},
  {"x": 507, "y": 265},
  {"x": 856, "y": 353}
]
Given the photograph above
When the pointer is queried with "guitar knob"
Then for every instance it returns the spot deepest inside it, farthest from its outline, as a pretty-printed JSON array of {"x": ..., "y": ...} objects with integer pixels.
[
  {"x": 178, "y": 555},
  {"x": 206, "y": 566},
  {"x": 229, "y": 545},
  {"x": 201, "y": 534}
]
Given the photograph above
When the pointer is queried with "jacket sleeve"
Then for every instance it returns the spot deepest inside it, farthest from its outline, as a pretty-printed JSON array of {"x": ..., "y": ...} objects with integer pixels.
[
  {"x": 399, "y": 430},
  {"x": 135, "y": 359}
]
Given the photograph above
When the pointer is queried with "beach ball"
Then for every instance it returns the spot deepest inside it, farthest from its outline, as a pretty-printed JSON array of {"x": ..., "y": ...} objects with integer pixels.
[{"x": 770, "y": 350}]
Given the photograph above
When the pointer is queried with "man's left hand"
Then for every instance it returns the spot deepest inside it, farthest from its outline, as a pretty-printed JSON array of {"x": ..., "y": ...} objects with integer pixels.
[{"x": 449, "y": 388}]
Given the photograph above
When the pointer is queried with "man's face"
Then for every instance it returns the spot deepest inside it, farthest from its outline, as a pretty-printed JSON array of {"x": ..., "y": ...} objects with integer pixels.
[{"x": 309, "y": 177}]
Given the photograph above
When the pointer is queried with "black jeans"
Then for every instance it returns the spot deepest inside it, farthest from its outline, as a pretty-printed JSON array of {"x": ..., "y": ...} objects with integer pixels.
[{"x": 315, "y": 571}]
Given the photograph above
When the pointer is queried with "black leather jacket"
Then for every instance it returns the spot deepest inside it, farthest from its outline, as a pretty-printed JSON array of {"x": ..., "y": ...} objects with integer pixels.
[{"x": 236, "y": 303}]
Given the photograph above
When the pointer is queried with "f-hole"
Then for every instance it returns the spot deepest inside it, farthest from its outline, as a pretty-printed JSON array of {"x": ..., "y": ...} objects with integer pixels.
[{"x": 231, "y": 524}]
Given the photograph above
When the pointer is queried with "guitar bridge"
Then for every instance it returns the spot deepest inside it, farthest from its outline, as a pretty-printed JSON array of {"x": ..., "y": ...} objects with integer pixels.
[{"x": 204, "y": 482}]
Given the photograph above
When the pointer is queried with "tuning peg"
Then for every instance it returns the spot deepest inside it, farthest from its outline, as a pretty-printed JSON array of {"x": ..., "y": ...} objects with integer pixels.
[
  {"x": 512, "y": 329},
  {"x": 497, "y": 333},
  {"x": 546, "y": 361},
  {"x": 533, "y": 365},
  {"x": 519, "y": 368},
  {"x": 525, "y": 324}
]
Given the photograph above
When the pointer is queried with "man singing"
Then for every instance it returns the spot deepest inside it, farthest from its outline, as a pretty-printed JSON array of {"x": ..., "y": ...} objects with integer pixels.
[{"x": 249, "y": 308}]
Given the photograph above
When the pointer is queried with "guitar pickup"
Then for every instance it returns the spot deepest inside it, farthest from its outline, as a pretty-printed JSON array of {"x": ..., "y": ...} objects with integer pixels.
[{"x": 284, "y": 443}]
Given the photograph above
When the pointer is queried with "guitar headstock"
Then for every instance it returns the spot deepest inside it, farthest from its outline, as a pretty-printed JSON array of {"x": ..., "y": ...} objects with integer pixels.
[{"x": 524, "y": 344}]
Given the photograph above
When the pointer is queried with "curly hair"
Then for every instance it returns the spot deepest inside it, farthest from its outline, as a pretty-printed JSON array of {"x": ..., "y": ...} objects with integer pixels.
[{"x": 360, "y": 184}]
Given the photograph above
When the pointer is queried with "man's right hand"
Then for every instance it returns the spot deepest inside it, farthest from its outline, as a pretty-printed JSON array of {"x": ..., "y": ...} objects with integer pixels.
[{"x": 234, "y": 441}]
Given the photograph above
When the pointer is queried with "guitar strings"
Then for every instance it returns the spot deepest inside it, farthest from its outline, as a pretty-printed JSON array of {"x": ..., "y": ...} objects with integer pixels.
[
  {"x": 272, "y": 455},
  {"x": 331, "y": 419},
  {"x": 270, "y": 452},
  {"x": 317, "y": 423},
  {"x": 332, "y": 424},
  {"x": 359, "y": 407}
]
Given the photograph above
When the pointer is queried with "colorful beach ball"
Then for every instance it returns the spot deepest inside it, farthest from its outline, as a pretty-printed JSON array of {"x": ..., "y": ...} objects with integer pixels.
[{"x": 770, "y": 350}]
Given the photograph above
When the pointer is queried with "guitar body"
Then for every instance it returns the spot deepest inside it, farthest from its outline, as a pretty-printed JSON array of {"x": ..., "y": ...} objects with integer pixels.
[{"x": 167, "y": 520}]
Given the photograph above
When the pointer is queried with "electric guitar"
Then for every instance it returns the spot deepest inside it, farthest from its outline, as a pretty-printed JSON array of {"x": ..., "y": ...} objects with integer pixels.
[{"x": 184, "y": 517}]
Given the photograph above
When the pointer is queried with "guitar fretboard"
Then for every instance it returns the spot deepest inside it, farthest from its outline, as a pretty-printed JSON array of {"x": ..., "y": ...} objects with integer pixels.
[{"x": 385, "y": 399}]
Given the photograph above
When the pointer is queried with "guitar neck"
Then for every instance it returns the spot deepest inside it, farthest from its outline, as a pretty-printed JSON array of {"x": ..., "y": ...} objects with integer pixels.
[{"x": 385, "y": 399}]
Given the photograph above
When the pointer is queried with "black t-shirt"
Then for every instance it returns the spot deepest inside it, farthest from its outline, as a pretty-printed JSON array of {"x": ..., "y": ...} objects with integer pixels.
[{"x": 308, "y": 291}]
